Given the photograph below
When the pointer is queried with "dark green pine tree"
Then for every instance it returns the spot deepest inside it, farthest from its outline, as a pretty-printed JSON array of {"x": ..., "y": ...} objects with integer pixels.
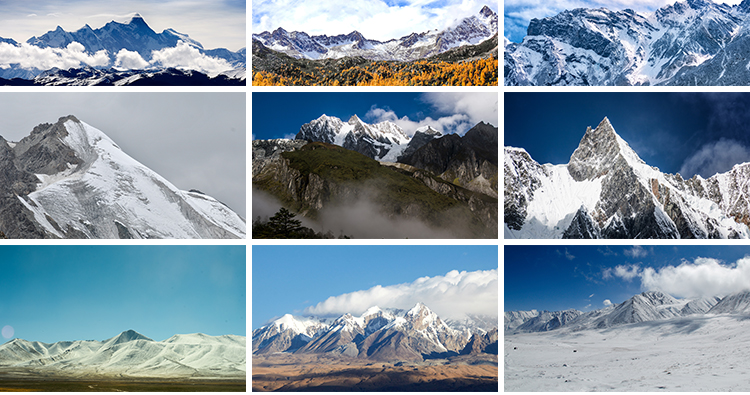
[{"x": 283, "y": 224}]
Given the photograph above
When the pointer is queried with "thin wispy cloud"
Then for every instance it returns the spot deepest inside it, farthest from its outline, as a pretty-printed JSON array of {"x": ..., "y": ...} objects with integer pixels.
[
  {"x": 375, "y": 19},
  {"x": 715, "y": 157},
  {"x": 450, "y": 296}
]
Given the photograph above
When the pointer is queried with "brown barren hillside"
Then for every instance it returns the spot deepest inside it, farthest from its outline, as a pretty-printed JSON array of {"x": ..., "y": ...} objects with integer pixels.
[{"x": 290, "y": 372}]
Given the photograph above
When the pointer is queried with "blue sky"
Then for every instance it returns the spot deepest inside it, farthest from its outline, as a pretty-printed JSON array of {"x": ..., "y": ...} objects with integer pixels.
[
  {"x": 215, "y": 24},
  {"x": 280, "y": 115},
  {"x": 518, "y": 13},
  {"x": 375, "y": 19},
  {"x": 289, "y": 279},
  {"x": 55, "y": 293},
  {"x": 689, "y": 133},
  {"x": 584, "y": 277}
]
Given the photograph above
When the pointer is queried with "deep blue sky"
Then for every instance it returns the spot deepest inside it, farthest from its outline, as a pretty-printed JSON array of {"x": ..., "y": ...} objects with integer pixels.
[
  {"x": 564, "y": 277},
  {"x": 54, "y": 293},
  {"x": 665, "y": 129},
  {"x": 286, "y": 279},
  {"x": 279, "y": 115}
]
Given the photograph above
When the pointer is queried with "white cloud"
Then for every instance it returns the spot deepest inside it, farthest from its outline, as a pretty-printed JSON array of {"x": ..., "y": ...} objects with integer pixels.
[
  {"x": 29, "y": 57},
  {"x": 450, "y": 296},
  {"x": 184, "y": 56},
  {"x": 636, "y": 252},
  {"x": 715, "y": 157},
  {"x": 375, "y": 19},
  {"x": 461, "y": 111},
  {"x": 477, "y": 106},
  {"x": 128, "y": 60},
  {"x": 607, "y": 302},
  {"x": 701, "y": 278},
  {"x": 626, "y": 272},
  {"x": 456, "y": 123}
]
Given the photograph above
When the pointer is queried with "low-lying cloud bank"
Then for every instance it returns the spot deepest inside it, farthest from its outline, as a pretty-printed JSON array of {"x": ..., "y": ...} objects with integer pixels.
[
  {"x": 450, "y": 296},
  {"x": 182, "y": 56},
  {"x": 703, "y": 277}
]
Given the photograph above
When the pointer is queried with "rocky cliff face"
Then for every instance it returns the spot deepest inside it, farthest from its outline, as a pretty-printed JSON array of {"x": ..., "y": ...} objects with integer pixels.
[
  {"x": 607, "y": 191},
  {"x": 317, "y": 177},
  {"x": 695, "y": 42},
  {"x": 69, "y": 180},
  {"x": 469, "y": 161}
]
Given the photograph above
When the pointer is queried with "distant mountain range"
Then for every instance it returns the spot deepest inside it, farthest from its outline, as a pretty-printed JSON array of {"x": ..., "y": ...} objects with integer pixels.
[
  {"x": 131, "y": 355},
  {"x": 645, "y": 307},
  {"x": 379, "y": 334},
  {"x": 467, "y": 31},
  {"x": 69, "y": 180},
  {"x": 607, "y": 191},
  {"x": 693, "y": 42},
  {"x": 437, "y": 179},
  {"x": 116, "y": 48}
]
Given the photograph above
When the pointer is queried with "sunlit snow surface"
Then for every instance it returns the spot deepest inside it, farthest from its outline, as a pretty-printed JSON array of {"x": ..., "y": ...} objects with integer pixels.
[
  {"x": 111, "y": 186},
  {"x": 695, "y": 353}
]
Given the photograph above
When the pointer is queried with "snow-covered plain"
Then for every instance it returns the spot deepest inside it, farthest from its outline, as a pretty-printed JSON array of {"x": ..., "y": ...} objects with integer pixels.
[{"x": 694, "y": 353}]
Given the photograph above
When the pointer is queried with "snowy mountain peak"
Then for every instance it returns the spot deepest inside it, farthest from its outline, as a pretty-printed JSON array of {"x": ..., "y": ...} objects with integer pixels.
[{"x": 126, "y": 336}]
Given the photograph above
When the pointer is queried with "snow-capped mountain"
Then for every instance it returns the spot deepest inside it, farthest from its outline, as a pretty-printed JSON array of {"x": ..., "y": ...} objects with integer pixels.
[
  {"x": 383, "y": 141},
  {"x": 645, "y": 307},
  {"x": 380, "y": 334},
  {"x": 470, "y": 30},
  {"x": 114, "y": 46},
  {"x": 69, "y": 180},
  {"x": 607, "y": 191},
  {"x": 131, "y": 354},
  {"x": 693, "y": 42}
]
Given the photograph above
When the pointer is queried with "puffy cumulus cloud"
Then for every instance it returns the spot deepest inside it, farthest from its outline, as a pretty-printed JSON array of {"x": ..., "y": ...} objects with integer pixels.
[
  {"x": 607, "y": 302},
  {"x": 184, "y": 56},
  {"x": 450, "y": 296},
  {"x": 702, "y": 278},
  {"x": 375, "y": 19},
  {"x": 127, "y": 60},
  {"x": 456, "y": 123},
  {"x": 715, "y": 157},
  {"x": 29, "y": 57},
  {"x": 478, "y": 107},
  {"x": 635, "y": 252}
]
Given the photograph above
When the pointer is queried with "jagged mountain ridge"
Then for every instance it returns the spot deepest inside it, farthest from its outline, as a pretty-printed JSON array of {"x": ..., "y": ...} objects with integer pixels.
[
  {"x": 131, "y": 354},
  {"x": 607, "y": 191},
  {"x": 693, "y": 42},
  {"x": 645, "y": 307},
  {"x": 70, "y": 180},
  {"x": 379, "y": 334},
  {"x": 134, "y": 36},
  {"x": 470, "y": 30}
]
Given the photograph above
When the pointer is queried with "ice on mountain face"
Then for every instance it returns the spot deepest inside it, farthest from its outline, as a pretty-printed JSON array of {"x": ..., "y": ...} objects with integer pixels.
[
  {"x": 104, "y": 193},
  {"x": 607, "y": 191},
  {"x": 694, "y": 44}
]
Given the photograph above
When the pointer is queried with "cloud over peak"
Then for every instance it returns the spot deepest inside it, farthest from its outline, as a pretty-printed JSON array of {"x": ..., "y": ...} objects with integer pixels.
[{"x": 450, "y": 296}]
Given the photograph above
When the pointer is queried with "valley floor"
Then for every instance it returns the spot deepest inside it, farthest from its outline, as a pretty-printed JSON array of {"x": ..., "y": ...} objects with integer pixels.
[
  {"x": 287, "y": 372},
  {"x": 15, "y": 379},
  {"x": 698, "y": 353}
]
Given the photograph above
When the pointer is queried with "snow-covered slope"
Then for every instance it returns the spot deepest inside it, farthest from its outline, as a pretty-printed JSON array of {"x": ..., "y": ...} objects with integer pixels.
[
  {"x": 607, "y": 191},
  {"x": 380, "y": 334},
  {"x": 470, "y": 30},
  {"x": 693, "y": 42},
  {"x": 383, "y": 141},
  {"x": 131, "y": 354},
  {"x": 87, "y": 187}
]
